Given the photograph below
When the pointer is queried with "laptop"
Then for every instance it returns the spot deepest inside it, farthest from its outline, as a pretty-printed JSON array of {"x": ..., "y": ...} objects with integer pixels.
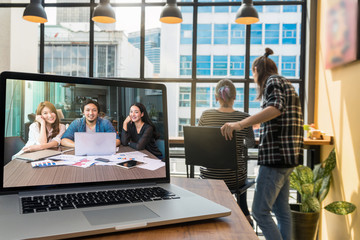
[
  {"x": 97, "y": 143},
  {"x": 30, "y": 197},
  {"x": 38, "y": 155}
]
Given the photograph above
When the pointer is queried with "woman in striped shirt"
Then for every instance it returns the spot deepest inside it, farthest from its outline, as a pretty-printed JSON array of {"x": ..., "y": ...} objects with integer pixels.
[{"x": 225, "y": 93}]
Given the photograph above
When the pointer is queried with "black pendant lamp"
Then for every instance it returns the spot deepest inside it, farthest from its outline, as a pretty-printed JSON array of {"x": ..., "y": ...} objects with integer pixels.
[
  {"x": 104, "y": 13},
  {"x": 171, "y": 13},
  {"x": 247, "y": 14},
  {"x": 35, "y": 12}
]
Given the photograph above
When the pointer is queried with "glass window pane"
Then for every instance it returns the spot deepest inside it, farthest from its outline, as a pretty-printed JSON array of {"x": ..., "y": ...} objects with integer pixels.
[
  {"x": 208, "y": 100},
  {"x": 67, "y": 41},
  {"x": 178, "y": 95},
  {"x": 287, "y": 50}
]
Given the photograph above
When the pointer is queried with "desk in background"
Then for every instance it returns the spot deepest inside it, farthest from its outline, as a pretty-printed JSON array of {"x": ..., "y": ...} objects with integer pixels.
[
  {"x": 312, "y": 145},
  {"x": 234, "y": 226}
]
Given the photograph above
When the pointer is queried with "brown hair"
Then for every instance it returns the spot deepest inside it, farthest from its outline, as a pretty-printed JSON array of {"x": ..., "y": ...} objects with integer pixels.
[
  {"x": 55, "y": 125},
  {"x": 265, "y": 67},
  {"x": 226, "y": 91}
]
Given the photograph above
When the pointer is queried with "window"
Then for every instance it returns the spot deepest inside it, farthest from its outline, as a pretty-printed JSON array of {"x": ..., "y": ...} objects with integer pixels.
[
  {"x": 290, "y": 8},
  {"x": 288, "y": 66},
  {"x": 203, "y": 97},
  {"x": 203, "y": 65},
  {"x": 237, "y": 34},
  {"x": 237, "y": 65},
  {"x": 221, "y": 33},
  {"x": 289, "y": 34},
  {"x": 204, "y": 34},
  {"x": 220, "y": 66},
  {"x": 184, "y": 97},
  {"x": 186, "y": 34},
  {"x": 221, "y": 9},
  {"x": 239, "y": 100},
  {"x": 272, "y": 8},
  {"x": 256, "y": 34},
  {"x": 166, "y": 54},
  {"x": 183, "y": 122},
  {"x": 272, "y": 33},
  {"x": 185, "y": 65}
]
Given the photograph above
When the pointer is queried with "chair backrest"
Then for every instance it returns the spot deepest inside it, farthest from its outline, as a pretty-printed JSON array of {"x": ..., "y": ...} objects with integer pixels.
[
  {"x": 161, "y": 146},
  {"x": 12, "y": 146},
  {"x": 205, "y": 146}
]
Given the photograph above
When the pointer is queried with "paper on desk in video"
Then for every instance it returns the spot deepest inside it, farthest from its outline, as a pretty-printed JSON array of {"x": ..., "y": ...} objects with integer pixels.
[{"x": 151, "y": 164}]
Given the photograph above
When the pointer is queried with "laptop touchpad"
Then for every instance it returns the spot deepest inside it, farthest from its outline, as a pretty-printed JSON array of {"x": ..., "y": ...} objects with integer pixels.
[{"x": 120, "y": 214}]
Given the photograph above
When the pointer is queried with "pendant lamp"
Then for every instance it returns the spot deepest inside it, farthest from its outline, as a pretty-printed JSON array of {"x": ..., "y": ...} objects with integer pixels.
[
  {"x": 104, "y": 13},
  {"x": 35, "y": 12},
  {"x": 247, "y": 14},
  {"x": 171, "y": 13}
]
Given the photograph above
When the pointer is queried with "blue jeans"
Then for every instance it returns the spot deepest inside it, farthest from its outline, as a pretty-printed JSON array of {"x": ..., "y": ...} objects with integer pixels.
[{"x": 272, "y": 194}]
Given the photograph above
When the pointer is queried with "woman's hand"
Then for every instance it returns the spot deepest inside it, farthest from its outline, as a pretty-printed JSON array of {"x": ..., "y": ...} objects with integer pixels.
[
  {"x": 228, "y": 128},
  {"x": 126, "y": 121},
  {"x": 32, "y": 148},
  {"x": 40, "y": 119}
]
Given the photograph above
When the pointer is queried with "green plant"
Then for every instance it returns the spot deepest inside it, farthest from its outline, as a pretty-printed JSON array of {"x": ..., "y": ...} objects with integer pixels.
[{"x": 313, "y": 186}]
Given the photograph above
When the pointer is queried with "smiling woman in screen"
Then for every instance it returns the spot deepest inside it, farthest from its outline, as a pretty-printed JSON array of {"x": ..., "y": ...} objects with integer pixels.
[
  {"x": 139, "y": 132},
  {"x": 46, "y": 131}
]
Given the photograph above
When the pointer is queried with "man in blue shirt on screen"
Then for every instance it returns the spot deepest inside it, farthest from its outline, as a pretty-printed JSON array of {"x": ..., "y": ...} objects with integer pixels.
[{"x": 91, "y": 122}]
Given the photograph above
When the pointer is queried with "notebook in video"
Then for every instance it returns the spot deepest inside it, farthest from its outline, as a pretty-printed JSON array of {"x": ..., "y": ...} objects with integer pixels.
[
  {"x": 81, "y": 195},
  {"x": 98, "y": 143},
  {"x": 34, "y": 156}
]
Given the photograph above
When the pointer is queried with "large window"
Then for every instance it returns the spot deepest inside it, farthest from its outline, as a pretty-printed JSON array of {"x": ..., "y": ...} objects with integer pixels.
[{"x": 194, "y": 54}]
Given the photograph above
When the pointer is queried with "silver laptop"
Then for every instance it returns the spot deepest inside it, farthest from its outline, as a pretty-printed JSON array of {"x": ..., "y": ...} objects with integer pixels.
[
  {"x": 27, "y": 205},
  {"x": 97, "y": 143}
]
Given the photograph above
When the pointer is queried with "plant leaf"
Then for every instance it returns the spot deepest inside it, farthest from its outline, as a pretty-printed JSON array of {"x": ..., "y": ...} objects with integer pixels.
[
  {"x": 307, "y": 188},
  {"x": 295, "y": 182},
  {"x": 317, "y": 172},
  {"x": 330, "y": 163},
  {"x": 341, "y": 207},
  {"x": 325, "y": 186},
  {"x": 313, "y": 204},
  {"x": 304, "y": 174},
  {"x": 305, "y": 207},
  {"x": 317, "y": 187}
]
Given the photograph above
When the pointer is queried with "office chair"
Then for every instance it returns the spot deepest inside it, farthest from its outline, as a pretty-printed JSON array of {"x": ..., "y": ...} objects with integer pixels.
[
  {"x": 12, "y": 146},
  {"x": 206, "y": 147},
  {"x": 161, "y": 146}
]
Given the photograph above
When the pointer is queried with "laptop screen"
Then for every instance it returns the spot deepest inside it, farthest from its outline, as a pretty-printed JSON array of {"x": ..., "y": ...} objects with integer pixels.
[{"x": 21, "y": 94}]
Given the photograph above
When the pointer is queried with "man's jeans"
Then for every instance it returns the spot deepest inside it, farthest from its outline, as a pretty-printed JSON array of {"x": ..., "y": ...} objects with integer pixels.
[{"x": 272, "y": 194}]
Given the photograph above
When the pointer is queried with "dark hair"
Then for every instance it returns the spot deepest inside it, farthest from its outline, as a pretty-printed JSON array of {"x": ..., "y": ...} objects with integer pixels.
[
  {"x": 56, "y": 124},
  {"x": 226, "y": 91},
  {"x": 265, "y": 67},
  {"x": 146, "y": 118},
  {"x": 89, "y": 101}
]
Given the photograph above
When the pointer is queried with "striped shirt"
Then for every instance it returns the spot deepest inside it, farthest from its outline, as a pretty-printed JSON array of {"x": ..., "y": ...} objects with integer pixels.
[
  {"x": 281, "y": 139},
  {"x": 213, "y": 117}
]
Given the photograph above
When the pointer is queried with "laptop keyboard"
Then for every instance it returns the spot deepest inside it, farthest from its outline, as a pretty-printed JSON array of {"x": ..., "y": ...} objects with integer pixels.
[{"x": 48, "y": 203}]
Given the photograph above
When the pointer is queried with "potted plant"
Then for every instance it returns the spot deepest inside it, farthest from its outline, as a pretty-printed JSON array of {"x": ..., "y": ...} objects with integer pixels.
[{"x": 313, "y": 186}]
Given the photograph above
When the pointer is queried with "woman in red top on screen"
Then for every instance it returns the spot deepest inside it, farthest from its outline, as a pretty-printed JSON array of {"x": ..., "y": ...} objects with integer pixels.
[{"x": 139, "y": 132}]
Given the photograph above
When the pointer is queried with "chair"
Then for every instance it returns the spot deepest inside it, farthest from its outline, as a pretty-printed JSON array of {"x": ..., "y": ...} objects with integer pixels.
[
  {"x": 161, "y": 146},
  {"x": 205, "y": 146},
  {"x": 12, "y": 146}
]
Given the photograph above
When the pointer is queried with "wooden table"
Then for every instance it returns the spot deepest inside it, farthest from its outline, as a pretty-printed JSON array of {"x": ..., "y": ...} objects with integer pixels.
[
  {"x": 231, "y": 227},
  {"x": 312, "y": 145},
  {"x": 20, "y": 173}
]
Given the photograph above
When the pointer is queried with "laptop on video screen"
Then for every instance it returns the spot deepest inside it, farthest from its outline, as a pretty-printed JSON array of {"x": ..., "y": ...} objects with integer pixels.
[
  {"x": 100, "y": 143},
  {"x": 69, "y": 195}
]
